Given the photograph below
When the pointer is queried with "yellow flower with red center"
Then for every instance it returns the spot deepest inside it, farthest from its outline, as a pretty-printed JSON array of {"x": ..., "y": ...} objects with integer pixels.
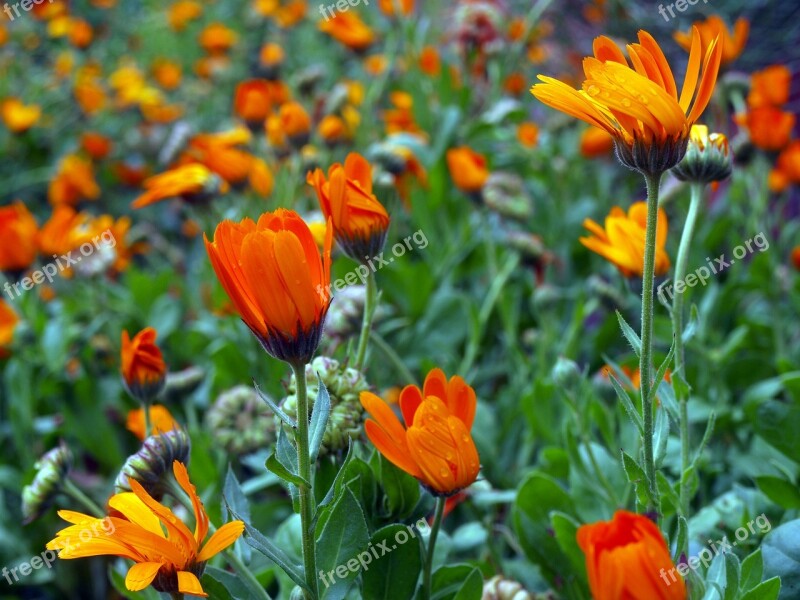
[
  {"x": 770, "y": 87},
  {"x": 165, "y": 552},
  {"x": 74, "y": 181},
  {"x": 714, "y": 27},
  {"x": 435, "y": 446},
  {"x": 360, "y": 222},
  {"x": 348, "y": 29},
  {"x": 18, "y": 230},
  {"x": 8, "y": 323},
  {"x": 622, "y": 241},
  {"x": 142, "y": 366},
  {"x": 182, "y": 12},
  {"x": 628, "y": 557},
  {"x": 277, "y": 279},
  {"x": 468, "y": 169},
  {"x": 19, "y": 117},
  {"x": 161, "y": 421},
  {"x": 192, "y": 182},
  {"x": 639, "y": 105}
]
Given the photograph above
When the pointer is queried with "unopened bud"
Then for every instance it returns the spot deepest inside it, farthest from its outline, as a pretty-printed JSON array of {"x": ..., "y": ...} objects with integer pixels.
[
  {"x": 51, "y": 471},
  {"x": 153, "y": 462}
]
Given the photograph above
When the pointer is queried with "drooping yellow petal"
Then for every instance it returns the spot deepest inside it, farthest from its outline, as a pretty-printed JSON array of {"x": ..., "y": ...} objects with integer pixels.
[
  {"x": 188, "y": 583},
  {"x": 141, "y": 575},
  {"x": 221, "y": 539}
]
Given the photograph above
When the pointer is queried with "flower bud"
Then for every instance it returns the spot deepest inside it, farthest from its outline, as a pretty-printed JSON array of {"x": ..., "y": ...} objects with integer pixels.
[
  {"x": 344, "y": 386},
  {"x": 153, "y": 462},
  {"x": 240, "y": 422},
  {"x": 708, "y": 157},
  {"x": 566, "y": 373},
  {"x": 498, "y": 588},
  {"x": 505, "y": 194},
  {"x": 51, "y": 471}
]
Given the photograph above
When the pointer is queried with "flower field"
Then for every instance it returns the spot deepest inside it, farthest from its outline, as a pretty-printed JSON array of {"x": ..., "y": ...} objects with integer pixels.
[{"x": 399, "y": 300}]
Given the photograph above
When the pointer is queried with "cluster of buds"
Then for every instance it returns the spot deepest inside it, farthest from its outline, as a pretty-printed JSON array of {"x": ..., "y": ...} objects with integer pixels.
[
  {"x": 153, "y": 462},
  {"x": 499, "y": 588},
  {"x": 708, "y": 157},
  {"x": 51, "y": 472},
  {"x": 240, "y": 422},
  {"x": 344, "y": 386}
]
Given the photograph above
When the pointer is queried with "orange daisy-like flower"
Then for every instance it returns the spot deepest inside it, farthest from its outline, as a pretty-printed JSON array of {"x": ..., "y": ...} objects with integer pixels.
[
  {"x": 770, "y": 87},
  {"x": 96, "y": 145},
  {"x": 622, "y": 240},
  {"x": 221, "y": 153},
  {"x": 166, "y": 553},
  {"x": 161, "y": 421},
  {"x": 253, "y": 101},
  {"x": 8, "y": 323},
  {"x": 467, "y": 168},
  {"x": 348, "y": 29},
  {"x": 787, "y": 168},
  {"x": 277, "y": 279},
  {"x": 143, "y": 369},
  {"x": 528, "y": 134},
  {"x": 74, "y": 181},
  {"x": 17, "y": 116},
  {"x": 360, "y": 222},
  {"x": 216, "y": 39},
  {"x": 639, "y": 106},
  {"x": 183, "y": 11},
  {"x": 770, "y": 128},
  {"x": 192, "y": 182},
  {"x": 435, "y": 446},
  {"x": 18, "y": 230},
  {"x": 394, "y": 7},
  {"x": 627, "y": 557},
  {"x": 714, "y": 27}
]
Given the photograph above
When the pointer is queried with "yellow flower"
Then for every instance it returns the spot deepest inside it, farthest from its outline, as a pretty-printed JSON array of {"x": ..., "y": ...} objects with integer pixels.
[
  {"x": 17, "y": 116},
  {"x": 622, "y": 240}
]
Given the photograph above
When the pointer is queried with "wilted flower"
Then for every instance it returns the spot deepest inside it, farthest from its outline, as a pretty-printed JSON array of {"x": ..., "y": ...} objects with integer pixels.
[
  {"x": 152, "y": 463},
  {"x": 240, "y": 422},
  {"x": 51, "y": 471},
  {"x": 499, "y": 588},
  {"x": 505, "y": 194},
  {"x": 708, "y": 157}
]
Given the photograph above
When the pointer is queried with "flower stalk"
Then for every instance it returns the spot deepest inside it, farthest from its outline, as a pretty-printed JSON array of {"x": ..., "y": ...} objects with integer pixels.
[
  {"x": 370, "y": 304},
  {"x": 437, "y": 524}
]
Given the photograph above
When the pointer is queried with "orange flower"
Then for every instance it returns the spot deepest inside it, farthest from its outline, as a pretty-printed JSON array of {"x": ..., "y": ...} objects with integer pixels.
[
  {"x": 260, "y": 178},
  {"x": 401, "y": 118},
  {"x": 295, "y": 122},
  {"x": 639, "y": 107},
  {"x": 770, "y": 87},
  {"x": 435, "y": 446},
  {"x": 161, "y": 421},
  {"x": 348, "y": 29},
  {"x": 714, "y": 27},
  {"x": 622, "y": 241},
  {"x": 18, "y": 230},
  {"x": 770, "y": 128},
  {"x": 143, "y": 369},
  {"x": 429, "y": 61},
  {"x": 220, "y": 153},
  {"x": 97, "y": 146},
  {"x": 596, "y": 142},
  {"x": 277, "y": 279},
  {"x": 217, "y": 39},
  {"x": 271, "y": 55},
  {"x": 8, "y": 323},
  {"x": 514, "y": 84},
  {"x": 627, "y": 557},
  {"x": 192, "y": 182},
  {"x": 467, "y": 168},
  {"x": 80, "y": 33},
  {"x": 528, "y": 134},
  {"x": 167, "y": 555},
  {"x": 89, "y": 93},
  {"x": 795, "y": 262},
  {"x": 787, "y": 168},
  {"x": 182, "y": 12},
  {"x": 360, "y": 222},
  {"x": 253, "y": 101},
  {"x": 332, "y": 129},
  {"x": 17, "y": 116},
  {"x": 390, "y": 7},
  {"x": 376, "y": 64},
  {"x": 167, "y": 73},
  {"x": 74, "y": 181}
]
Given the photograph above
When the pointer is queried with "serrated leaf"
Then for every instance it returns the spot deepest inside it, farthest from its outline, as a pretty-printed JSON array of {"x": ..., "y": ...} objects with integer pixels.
[
  {"x": 630, "y": 334},
  {"x": 319, "y": 419},
  {"x": 662, "y": 370},
  {"x": 627, "y": 403},
  {"x": 282, "y": 415}
]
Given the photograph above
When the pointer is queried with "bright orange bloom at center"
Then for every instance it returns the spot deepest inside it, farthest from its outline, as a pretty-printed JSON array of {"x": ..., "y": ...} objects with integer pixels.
[
  {"x": 143, "y": 368},
  {"x": 18, "y": 230},
  {"x": 628, "y": 558},
  {"x": 622, "y": 240},
  {"x": 435, "y": 446},
  {"x": 639, "y": 104},
  {"x": 360, "y": 221},
  {"x": 277, "y": 279},
  {"x": 166, "y": 553}
]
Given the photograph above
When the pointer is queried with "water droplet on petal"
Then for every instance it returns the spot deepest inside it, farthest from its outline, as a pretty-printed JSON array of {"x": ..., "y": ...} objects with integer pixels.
[
  {"x": 626, "y": 102},
  {"x": 444, "y": 473},
  {"x": 593, "y": 90}
]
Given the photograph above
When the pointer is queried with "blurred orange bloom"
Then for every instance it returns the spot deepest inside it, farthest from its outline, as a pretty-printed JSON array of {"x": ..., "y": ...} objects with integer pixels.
[
  {"x": 332, "y": 129},
  {"x": 142, "y": 366},
  {"x": 528, "y": 134},
  {"x": 435, "y": 446},
  {"x": 220, "y": 152},
  {"x": 514, "y": 84},
  {"x": 295, "y": 122},
  {"x": 467, "y": 168},
  {"x": 277, "y": 279},
  {"x": 795, "y": 259},
  {"x": 360, "y": 222},
  {"x": 18, "y": 230},
  {"x": 622, "y": 241},
  {"x": 401, "y": 119},
  {"x": 17, "y": 116},
  {"x": 89, "y": 93},
  {"x": 390, "y": 7},
  {"x": 8, "y": 323},
  {"x": 348, "y": 29},
  {"x": 217, "y": 39},
  {"x": 96, "y": 145},
  {"x": 770, "y": 87},
  {"x": 596, "y": 142},
  {"x": 74, "y": 181},
  {"x": 190, "y": 182},
  {"x": 161, "y": 421},
  {"x": 271, "y": 54},
  {"x": 253, "y": 100},
  {"x": 80, "y": 33},
  {"x": 260, "y": 178},
  {"x": 770, "y": 128},
  {"x": 165, "y": 552},
  {"x": 167, "y": 73},
  {"x": 732, "y": 42},
  {"x": 787, "y": 168},
  {"x": 429, "y": 61},
  {"x": 627, "y": 557},
  {"x": 183, "y": 11}
]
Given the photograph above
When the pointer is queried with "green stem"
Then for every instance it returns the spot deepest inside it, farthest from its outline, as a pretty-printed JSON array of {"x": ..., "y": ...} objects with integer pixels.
[
  {"x": 71, "y": 490},
  {"x": 677, "y": 327},
  {"x": 306, "y": 491},
  {"x": 146, "y": 411},
  {"x": 645, "y": 360},
  {"x": 437, "y": 523},
  {"x": 370, "y": 303}
]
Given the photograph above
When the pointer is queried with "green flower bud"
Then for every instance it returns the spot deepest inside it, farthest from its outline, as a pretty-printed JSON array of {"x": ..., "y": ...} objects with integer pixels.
[
  {"x": 498, "y": 588},
  {"x": 566, "y": 373},
  {"x": 51, "y": 471},
  {"x": 153, "y": 462},
  {"x": 344, "y": 386},
  {"x": 505, "y": 194},
  {"x": 708, "y": 157},
  {"x": 240, "y": 422}
]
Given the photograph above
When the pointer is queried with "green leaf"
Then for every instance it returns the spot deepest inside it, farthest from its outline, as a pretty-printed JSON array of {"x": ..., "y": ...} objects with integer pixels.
[
  {"x": 232, "y": 492},
  {"x": 457, "y": 582},
  {"x": 340, "y": 539},
  {"x": 394, "y": 574},
  {"x": 637, "y": 477},
  {"x": 769, "y": 590},
  {"x": 630, "y": 334},
  {"x": 319, "y": 419},
  {"x": 662, "y": 370},
  {"x": 226, "y": 585},
  {"x": 781, "y": 552},
  {"x": 287, "y": 472},
  {"x": 402, "y": 490},
  {"x": 565, "y": 529},
  {"x": 627, "y": 403},
  {"x": 712, "y": 419},
  {"x": 778, "y": 422},
  {"x": 661, "y": 435},
  {"x": 752, "y": 570},
  {"x": 781, "y": 492},
  {"x": 282, "y": 415},
  {"x": 680, "y": 542}
]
